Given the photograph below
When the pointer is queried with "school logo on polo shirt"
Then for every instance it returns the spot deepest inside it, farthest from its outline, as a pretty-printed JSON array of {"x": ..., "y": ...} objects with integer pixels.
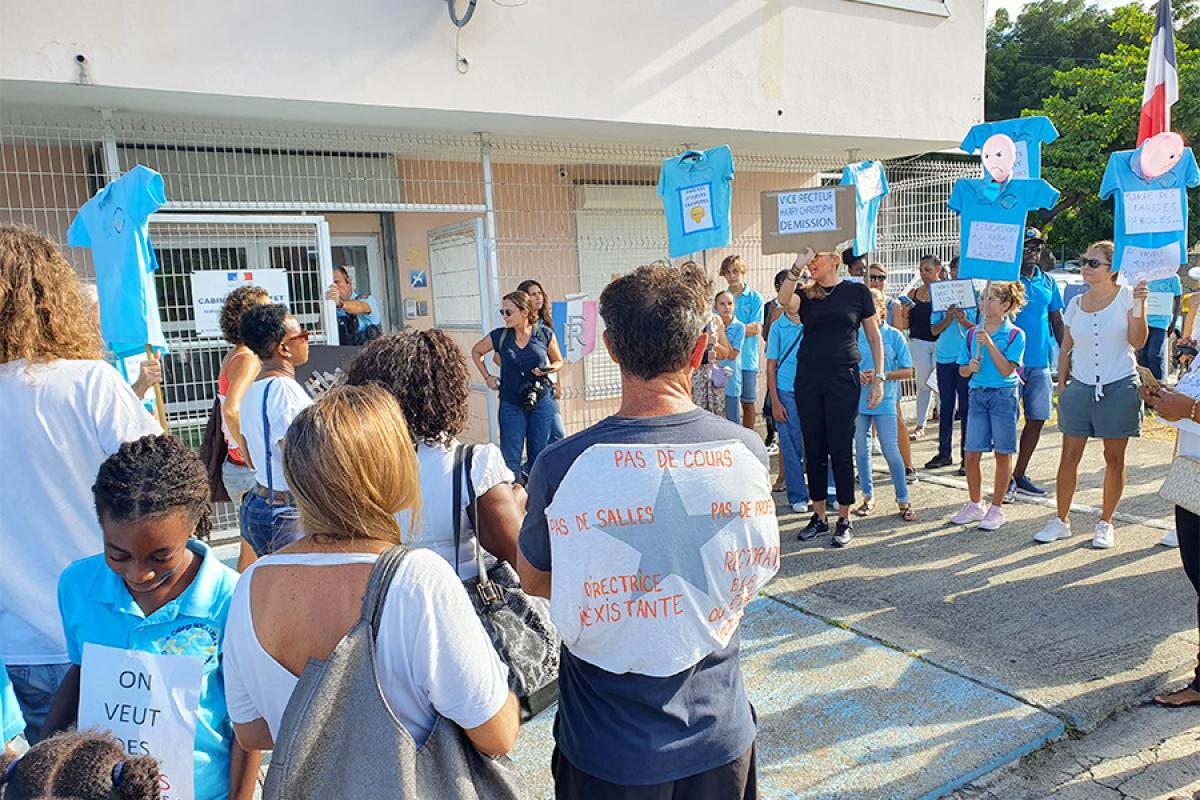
[{"x": 199, "y": 639}]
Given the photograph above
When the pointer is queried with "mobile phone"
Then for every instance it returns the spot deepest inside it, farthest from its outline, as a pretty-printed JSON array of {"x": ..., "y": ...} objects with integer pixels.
[
  {"x": 1148, "y": 379},
  {"x": 1186, "y": 350}
]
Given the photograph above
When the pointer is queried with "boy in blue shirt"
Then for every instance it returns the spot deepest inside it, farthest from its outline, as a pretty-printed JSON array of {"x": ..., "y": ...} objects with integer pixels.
[
  {"x": 156, "y": 589},
  {"x": 990, "y": 356},
  {"x": 748, "y": 309},
  {"x": 782, "y": 342},
  {"x": 735, "y": 332}
]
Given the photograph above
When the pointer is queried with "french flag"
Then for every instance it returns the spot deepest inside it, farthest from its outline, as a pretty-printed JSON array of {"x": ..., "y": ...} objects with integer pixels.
[{"x": 1162, "y": 79}]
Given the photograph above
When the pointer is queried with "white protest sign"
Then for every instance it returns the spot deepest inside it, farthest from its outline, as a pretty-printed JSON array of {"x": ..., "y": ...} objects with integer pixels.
[
  {"x": 663, "y": 544},
  {"x": 211, "y": 287},
  {"x": 1153, "y": 211},
  {"x": 870, "y": 183},
  {"x": 993, "y": 241},
  {"x": 696, "y": 205},
  {"x": 808, "y": 212},
  {"x": 1160, "y": 304},
  {"x": 856, "y": 279},
  {"x": 1149, "y": 263},
  {"x": 1021, "y": 163},
  {"x": 959, "y": 293},
  {"x": 150, "y": 703}
]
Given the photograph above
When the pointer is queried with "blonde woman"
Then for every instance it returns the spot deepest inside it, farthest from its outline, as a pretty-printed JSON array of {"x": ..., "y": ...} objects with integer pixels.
[{"x": 352, "y": 467}]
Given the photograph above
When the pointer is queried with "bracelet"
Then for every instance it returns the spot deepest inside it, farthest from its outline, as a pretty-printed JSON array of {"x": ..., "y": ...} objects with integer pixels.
[
  {"x": 1192, "y": 413},
  {"x": 793, "y": 275}
]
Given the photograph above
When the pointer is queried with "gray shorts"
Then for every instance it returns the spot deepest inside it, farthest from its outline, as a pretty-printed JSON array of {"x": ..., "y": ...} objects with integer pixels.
[{"x": 1116, "y": 415}]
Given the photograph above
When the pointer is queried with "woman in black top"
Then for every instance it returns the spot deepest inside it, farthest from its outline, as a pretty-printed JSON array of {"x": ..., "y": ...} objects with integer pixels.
[
  {"x": 922, "y": 341},
  {"x": 828, "y": 382}
]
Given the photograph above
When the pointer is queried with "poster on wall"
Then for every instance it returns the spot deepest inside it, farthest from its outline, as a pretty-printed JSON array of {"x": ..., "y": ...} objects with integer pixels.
[
  {"x": 211, "y": 287},
  {"x": 821, "y": 218}
]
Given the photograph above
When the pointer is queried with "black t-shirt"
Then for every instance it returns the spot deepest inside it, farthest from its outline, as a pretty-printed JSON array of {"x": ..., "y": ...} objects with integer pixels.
[{"x": 831, "y": 325}]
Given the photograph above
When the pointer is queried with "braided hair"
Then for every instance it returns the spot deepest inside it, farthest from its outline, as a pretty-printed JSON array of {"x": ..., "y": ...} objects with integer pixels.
[
  {"x": 153, "y": 476},
  {"x": 82, "y": 765}
]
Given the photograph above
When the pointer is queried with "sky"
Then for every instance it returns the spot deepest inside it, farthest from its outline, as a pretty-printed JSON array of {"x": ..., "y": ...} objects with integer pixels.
[{"x": 1014, "y": 6}]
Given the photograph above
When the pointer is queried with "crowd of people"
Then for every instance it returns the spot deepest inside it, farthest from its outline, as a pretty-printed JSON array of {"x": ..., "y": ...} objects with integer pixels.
[{"x": 362, "y": 513}]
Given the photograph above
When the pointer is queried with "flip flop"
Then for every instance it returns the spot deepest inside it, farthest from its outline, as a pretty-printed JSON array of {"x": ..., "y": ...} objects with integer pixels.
[
  {"x": 1163, "y": 704},
  {"x": 864, "y": 509}
]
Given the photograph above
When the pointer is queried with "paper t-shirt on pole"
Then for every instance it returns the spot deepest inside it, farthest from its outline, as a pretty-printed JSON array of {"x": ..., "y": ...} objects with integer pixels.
[
  {"x": 993, "y": 223},
  {"x": 696, "y": 192},
  {"x": 871, "y": 186},
  {"x": 1028, "y": 134}
]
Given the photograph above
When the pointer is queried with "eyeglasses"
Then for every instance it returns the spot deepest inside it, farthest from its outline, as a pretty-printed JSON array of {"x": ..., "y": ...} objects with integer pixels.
[
  {"x": 1033, "y": 246},
  {"x": 506, "y": 312},
  {"x": 880, "y": 278},
  {"x": 1094, "y": 262},
  {"x": 303, "y": 334}
]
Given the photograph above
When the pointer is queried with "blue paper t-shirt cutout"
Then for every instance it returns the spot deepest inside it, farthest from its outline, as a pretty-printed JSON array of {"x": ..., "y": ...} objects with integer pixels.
[
  {"x": 1028, "y": 135},
  {"x": 695, "y": 188},
  {"x": 998, "y": 212},
  {"x": 866, "y": 201},
  {"x": 115, "y": 224},
  {"x": 1124, "y": 174}
]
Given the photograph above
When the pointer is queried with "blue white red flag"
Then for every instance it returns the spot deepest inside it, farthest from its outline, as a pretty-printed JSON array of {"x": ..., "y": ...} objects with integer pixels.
[{"x": 1162, "y": 78}]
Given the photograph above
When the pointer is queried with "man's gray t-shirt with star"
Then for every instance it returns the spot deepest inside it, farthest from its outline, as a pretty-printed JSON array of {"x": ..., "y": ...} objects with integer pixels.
[{"x": 634, "y": 728}]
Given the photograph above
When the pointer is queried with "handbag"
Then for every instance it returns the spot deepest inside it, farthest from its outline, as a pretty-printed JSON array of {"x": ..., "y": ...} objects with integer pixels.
[
  {"x": 518, "y": 624},
  {"x": 1182, "y": 484},
  {"x": 339, "y": 738}
]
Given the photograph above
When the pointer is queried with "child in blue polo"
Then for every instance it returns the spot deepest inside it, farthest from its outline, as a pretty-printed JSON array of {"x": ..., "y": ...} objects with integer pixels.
[
  {"x": 990, "y": 356},
  {"x": 158, "y": 590}
]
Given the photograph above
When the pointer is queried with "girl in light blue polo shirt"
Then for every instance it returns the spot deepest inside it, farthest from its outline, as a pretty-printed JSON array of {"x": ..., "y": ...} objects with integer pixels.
[
  {"x": 156, "y": 589},
  {"x": 990, "y": 356},
  {"x": 735, "y": 332}
]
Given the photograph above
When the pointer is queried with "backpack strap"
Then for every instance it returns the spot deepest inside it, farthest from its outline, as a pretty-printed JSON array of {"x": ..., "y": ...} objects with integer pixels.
[
  {"x": 456, "y": 499},
  {"x": 377, "y": 587},
  {"x": 266, "y": 421}
]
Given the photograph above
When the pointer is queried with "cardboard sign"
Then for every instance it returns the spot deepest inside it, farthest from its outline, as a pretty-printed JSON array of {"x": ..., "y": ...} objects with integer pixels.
[
  {"x": 696, "y": 205},
  {"x": 820, "y": 218},
  {"x": 959, "y": 293},
  {"x": 1149, "y": 263},
  {"x": 150, "y": 703},
  {"x": 1153, "y": 211},
  {"x": 1160, "y": 304},
  {"x": 211, "y": 287}
]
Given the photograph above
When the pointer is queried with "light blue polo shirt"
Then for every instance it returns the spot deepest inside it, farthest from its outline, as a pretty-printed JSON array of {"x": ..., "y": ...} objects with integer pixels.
[
  {"x": 1028, "y": 135},
  {"x": 988, "y": 376},
  {"x": 1122, "y": 175},
  {"x": 12, "y": 724},
  {"x": 735, "y": 332},
  {"x": 1171, "y": 286},
  {"x": 949, "y": 341},
  {"x": 748, "y": 307},
  {"x": 370, "y": 318},
  {"x": 1042, "y": 298},
  {"x": 993, "y": 217},
  {"x": 696, "y": 190},
  {"x": 895, "y": 356},
  {"x": 96, "y": 607},
  {"x": 866, "y": 208},
  {"x": 784, "y": 339}
]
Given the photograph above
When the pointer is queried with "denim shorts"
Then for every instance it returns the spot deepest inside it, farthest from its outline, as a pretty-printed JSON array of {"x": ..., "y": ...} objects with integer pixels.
[
  {"x": 1036, "y": 393},
  {"x": 266, "y": 527},
  {"x": 1116, "y": 415},
  {"x": 749, "y": 385},
  {"x": 992, "y": 420}
]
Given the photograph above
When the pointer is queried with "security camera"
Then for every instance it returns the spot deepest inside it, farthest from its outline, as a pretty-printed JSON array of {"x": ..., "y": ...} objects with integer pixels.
[{"x": 562, "y": 174}]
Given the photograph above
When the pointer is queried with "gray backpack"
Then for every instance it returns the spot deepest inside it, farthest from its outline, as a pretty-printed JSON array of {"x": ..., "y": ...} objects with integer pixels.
[{"x": 338, "y": 738}]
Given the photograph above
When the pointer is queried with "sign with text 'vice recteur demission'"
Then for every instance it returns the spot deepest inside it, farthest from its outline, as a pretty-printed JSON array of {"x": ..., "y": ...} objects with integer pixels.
[{"x": 821, "y": 218}]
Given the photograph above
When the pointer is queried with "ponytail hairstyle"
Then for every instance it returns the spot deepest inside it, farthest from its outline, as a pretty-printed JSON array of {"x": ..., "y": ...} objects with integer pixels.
[
  {"x": 154, "y": 476},
  {"x": 81, "y": 765},
  {"x": 1012, "y": 293}
]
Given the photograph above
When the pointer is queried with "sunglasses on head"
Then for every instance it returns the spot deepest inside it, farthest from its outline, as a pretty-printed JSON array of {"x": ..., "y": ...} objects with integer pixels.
[
  {"x": 1093, "y": 262},
  {"x": 1033, "y": 245}
]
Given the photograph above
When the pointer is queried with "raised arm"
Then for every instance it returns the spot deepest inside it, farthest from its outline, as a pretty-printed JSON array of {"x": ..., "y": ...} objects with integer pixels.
[{"x": 1139, "y": 329}]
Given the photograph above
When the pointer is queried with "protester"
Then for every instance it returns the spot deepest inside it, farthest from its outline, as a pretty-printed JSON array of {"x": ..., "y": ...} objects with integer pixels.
[
  {"x": 1152, "y": 355},
  {"x": 782, "y": 341},
  {"x": 990, "y": 356},
  {"x": 705, "y": 392},
  {"x": 152, "y": 500},
  {"x": 856, "y": 266},
  {"x": 268, "y": 514},
  {"x": 1105, "y": 327},
  {"x": 877, "y": 279},
  {"x": 427, "y": 374},
  {"x": 65, "y": 411},
  {"x": 951, "y": 328},
  {"x": 352, "y": 468},
  {"x": 771, "y": 312},
  {"x": 897, "y": 366},
  {"x": 358, "y": 316},
  {"x": 541, "y": 305},
  {"x": 81, "y": 765},
  {"x": 828, "y": 384},
  {"x": 922, "y": 341},
  {"x": 528, "y": 355},
  {"x": 239, "y": 368},
  {"x": 748, "y": 305},
  {"x": 676, "y": 721},
  {"x": 1039, "y": 319},
  {"x": 735, "y": 334}
]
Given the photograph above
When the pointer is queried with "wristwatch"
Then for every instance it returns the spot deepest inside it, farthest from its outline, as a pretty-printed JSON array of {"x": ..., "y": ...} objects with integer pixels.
[{"x": 881, "y": 376}]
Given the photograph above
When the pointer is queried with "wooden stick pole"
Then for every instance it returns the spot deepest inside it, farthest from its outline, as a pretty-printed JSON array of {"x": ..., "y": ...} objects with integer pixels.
[{"x": 160, "y": 400}]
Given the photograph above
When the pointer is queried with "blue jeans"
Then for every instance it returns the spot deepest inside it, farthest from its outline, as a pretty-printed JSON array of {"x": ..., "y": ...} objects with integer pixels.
[
  {"x": 791, "y": 450},
  {"x": 266, "y": 527},
  {"x": 525, "y": 432},
  {"x": 35, "y": 686},
  {"x": 733, "y": 408},
  {"x": 1151, "y": 354},
  {"x": 889, "y": 442},
  {"x": 953, "y": 389}
]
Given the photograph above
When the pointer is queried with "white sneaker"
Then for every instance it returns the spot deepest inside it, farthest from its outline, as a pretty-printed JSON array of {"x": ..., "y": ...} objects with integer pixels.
[
  {"x": 992, "y": 520},
  {"x": 971, "y": 512},
  {"x": 799, "y": 508},
  {"x": 1055, "y": 529},
  {"x": 1171, "y": 539},
  {"x": 1104, "y": 536}
]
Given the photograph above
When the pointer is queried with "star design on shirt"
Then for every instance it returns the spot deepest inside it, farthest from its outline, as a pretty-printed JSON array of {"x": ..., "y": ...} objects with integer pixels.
[{"x": 671, "y": 544}]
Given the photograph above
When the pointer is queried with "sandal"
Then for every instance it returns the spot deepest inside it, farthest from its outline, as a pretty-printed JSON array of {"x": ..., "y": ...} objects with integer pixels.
[
  {"x": 865, "y": 508},
  {"x": 780, "y": 485},
  {"x": 908, "y": 514},
  {"x": 1161, "y": 700},
  {"x": 917, "y": 435}
]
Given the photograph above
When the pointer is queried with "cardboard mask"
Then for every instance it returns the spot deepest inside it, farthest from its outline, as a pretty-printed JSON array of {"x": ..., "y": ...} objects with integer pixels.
[
  {"x": 1160, "y": 153},
  {"x": 998, "y": 156}
]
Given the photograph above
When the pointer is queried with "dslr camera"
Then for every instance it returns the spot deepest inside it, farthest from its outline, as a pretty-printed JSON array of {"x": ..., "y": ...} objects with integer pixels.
[{"x": 532, "y": 391}]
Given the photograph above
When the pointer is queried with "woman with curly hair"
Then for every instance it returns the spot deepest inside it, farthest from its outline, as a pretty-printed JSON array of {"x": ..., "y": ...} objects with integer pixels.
[
  {"x": 426, "y": 372},
  {"x": 65, "y": 411}
]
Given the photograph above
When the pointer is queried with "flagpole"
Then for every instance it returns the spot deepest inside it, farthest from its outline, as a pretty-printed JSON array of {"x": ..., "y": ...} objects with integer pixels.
[{"x": 160, "y": 400}]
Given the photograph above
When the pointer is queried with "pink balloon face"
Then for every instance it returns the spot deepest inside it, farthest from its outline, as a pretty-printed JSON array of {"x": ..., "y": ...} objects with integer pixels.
[
  {"x": 998, "y": 156},
  {"x": 1160, "y": 153}
]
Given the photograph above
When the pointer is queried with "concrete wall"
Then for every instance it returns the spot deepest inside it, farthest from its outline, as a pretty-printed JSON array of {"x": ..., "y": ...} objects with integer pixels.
[{"x": 834, "y": 68}]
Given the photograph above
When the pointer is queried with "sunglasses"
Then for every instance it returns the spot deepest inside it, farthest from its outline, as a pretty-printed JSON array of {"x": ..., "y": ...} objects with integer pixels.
[
  {"x": 879, "y": 278},
  {"x": 506, "y": 312},
  {"x": 301, "y": 335},
  {"x": 1094, "y": 262}
]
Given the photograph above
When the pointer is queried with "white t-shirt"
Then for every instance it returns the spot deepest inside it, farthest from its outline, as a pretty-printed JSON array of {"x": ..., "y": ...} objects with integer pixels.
[
  {"x": 432, "y": 653},
  {"x": 285, "y": 402},
  {"x": 436, "y": 533},
  {"x": 1101, "y": 353},
  {"x": 59, "y": 421}
]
